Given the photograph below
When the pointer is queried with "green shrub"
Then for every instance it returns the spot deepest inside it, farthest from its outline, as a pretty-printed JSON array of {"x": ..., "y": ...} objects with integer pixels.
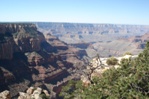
[
  {"x": 127, "y": 53},
  {"x": 124, "y": 60},
  {"x": 131, "y": 81},
  {"x": 112, "y": 61}
]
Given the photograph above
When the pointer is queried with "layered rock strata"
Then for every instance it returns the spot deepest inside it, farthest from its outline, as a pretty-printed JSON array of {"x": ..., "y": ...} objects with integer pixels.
[{"x": 26, "y": 58}]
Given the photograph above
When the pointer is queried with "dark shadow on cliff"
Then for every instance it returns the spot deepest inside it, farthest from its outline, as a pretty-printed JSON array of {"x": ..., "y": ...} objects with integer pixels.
[
  {"x": 48, "y": 48},
  {"x": 57, "y": 77},
  {"x": 18, "y": 68}
]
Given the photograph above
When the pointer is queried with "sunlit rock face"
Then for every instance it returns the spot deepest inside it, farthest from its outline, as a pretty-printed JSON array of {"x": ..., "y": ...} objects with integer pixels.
[
  {"x": 5, "y": 95},
  {"x": 19, "y": 38}
]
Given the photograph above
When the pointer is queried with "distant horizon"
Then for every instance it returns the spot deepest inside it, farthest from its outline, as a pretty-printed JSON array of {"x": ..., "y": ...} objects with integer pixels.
[
  {"x": 68, "y": 22},
  {"x": 133, "y": 12}
]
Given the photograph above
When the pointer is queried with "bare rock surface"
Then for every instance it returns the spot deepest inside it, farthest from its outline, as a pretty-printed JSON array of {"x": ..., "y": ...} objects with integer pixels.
[
  {"x": 34, "y": 93},
  {"x": 5, "y": 95},
  {"x": 28, "y": 58}
]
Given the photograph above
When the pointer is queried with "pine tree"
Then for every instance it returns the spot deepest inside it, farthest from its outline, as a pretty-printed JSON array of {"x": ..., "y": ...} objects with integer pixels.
[{"x": 131, "y": 81}]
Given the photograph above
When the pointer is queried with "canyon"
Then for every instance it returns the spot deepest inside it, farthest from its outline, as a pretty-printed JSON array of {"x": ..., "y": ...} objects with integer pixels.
[
  {"x": 27, "y": 58},
  {"x": 98, "y": 38},
  {"x": 48, "y": 55}
]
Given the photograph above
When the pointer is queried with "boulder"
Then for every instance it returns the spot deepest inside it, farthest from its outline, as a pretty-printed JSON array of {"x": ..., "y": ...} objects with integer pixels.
[
  {"x": 30, "y": 90},
  {"x": 5, "y": 95},
  {"x": 36, "y": 93},
  {"x": 24, "y": 95},
  {"x": 46, "y": 93}
]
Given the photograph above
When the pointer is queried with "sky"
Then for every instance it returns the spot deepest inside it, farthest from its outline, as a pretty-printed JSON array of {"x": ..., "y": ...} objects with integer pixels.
[{"x": 76, "y": 11}]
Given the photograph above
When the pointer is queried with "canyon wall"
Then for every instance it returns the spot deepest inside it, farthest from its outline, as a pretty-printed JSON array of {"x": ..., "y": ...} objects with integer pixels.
[
  {"x": 28, "y": 58},
  {"x": 104, "y": 39}
]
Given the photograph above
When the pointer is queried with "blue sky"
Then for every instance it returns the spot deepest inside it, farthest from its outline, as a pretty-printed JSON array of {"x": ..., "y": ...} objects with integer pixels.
[{"x": 78, "y": 11}]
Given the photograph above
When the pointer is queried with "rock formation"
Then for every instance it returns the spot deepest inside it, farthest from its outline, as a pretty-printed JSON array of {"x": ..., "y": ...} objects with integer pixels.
[
  {"x": 31, "y": 93},
  {"x": 74, "y": 33},
  {"x": 98, "y": 38},
  {"x": 28, "y": 58},
  {"x": 34, "y": 93},
  {"x": 5, "y": 95}
]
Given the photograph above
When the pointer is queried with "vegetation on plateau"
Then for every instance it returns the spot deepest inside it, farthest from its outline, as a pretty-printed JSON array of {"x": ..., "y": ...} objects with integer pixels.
[
  {"x": 131, "y": 81},
  {"x": 127, "y": 53},
  {"x": 112, "y": 61}
]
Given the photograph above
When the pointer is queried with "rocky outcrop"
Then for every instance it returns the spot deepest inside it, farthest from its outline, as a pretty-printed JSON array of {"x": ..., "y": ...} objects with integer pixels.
[
  {"x": 31, "y": 93},
  {"x": 34, "y": 59},
  {"x": 28, "y": 44},
  {"x": 31, "y": 60},
  {"x": 55, "y": 42},
  {"x": 9, "y": 28},
  {"x": 19, "y": 38},
  {"x": 5, "y": 95},
  {"x": 34, "y": 93}
]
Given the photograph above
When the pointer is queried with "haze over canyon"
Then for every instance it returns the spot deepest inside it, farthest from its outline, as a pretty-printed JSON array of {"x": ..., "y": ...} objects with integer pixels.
[
  {"x": 48, "y": 55},
  {"x": 99, "y": 38}
]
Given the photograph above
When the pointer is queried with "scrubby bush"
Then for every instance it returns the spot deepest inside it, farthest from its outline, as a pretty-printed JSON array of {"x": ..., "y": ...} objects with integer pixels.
[
  {"x": 112, "y": 61},
  {"x": 131, "y": 81},
  {"x": 124, "y": 60},
  {"x": 127, "y": 53}
]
